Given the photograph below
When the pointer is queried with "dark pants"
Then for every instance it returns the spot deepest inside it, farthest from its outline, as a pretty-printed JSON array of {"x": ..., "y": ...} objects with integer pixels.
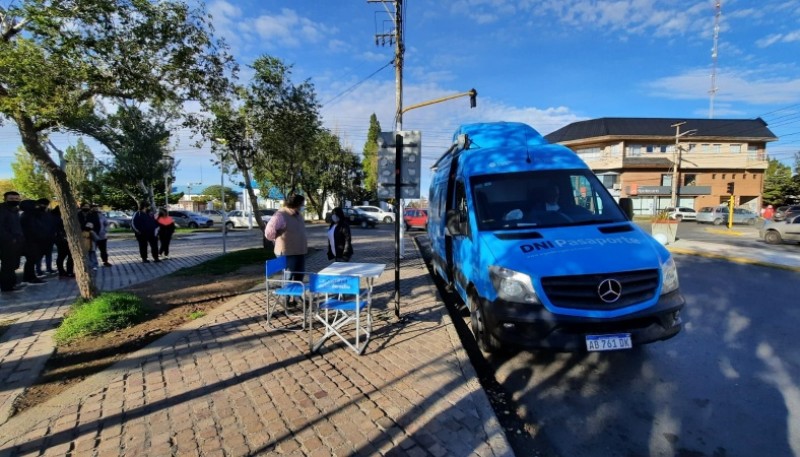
[
  {"x": 164, "y": 237},
  {"x": 296, "y": 263},
  {"x": 144, "y": 241},
  {"x": 9, "y": 262},
  {"x": 48, "y": 259},
  {"x": 33, "y": 256},
  {"x": 64, "y": 256},
  {"x": 102, "y": 246}
]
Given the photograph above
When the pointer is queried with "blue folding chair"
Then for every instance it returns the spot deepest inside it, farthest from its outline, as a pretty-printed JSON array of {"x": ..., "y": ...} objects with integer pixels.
[
  {"x": 280, "y": 291},
  {"x": 342, "y": 303}
]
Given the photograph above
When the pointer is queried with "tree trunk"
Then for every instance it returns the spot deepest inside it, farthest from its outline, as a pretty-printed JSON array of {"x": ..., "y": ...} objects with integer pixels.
[
  {"x": 253, "y": 199},
  {"x": 69, "y": 207}
]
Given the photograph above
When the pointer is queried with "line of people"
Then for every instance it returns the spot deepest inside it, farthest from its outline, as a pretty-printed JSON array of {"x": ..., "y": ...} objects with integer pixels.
[{"x": 153, "y": 231}]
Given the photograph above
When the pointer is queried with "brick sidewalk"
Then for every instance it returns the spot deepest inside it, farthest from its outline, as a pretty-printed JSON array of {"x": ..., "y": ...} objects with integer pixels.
[{"x": 226, "y": 385}]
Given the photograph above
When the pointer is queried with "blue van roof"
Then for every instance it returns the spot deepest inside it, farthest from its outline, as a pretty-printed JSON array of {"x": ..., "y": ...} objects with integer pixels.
[
  {"x": 502, "y": 147},
  {"x": 500, "y": 134}
]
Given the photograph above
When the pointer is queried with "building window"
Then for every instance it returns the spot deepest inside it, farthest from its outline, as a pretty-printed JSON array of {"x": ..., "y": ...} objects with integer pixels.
[
  {"x": 616, "y": 150},
  {"x": 752, "y": 152},
  {"x": 716, "y": 148},
  {"x": 663, "y": 148},
  {"x": 608, "y": 180},
  {"x": 666, "y": 180},
  {"x": 690, "y": 179},
  {"x": 723, "y": 175},
  {"x": 705, "y": 147},
  {"x": 692, "y": 147},
  {"x": 634, "y": 150},
  {"x": 713, "y": 176},
  {"x": 649, "y": 148},
  {"x": 589, "y": 153},
  {"x": 736, "y": 148}
]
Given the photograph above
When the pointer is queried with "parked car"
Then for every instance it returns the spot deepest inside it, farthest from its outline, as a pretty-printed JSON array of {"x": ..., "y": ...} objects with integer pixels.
[
  {"x": 213, "y": 214},
  {"x": 718, "y": 215},
  {"x": 118, "y": 219},
  {"x": 415, "y": 218},
  {"x": 681, "y": 213},
  {"x": 776, "y": 232},
  {"x": 356, "y": 217},
  {"x": 239, "y": 218},
  {"x": 377, "y": 213},
  {"x": 780, "y": 213},
  {"x": 790, "y": 211},
  {"x": 190, "y": 219}
]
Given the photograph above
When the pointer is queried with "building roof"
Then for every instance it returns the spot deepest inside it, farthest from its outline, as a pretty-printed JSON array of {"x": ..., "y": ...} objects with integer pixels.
[{"x": 753, "y": 129}]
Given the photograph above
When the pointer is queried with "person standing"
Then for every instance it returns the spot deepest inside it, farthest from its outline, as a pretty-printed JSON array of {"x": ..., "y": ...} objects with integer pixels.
[
  {"x": 11, "y": 241},
  {"x": 340, "y": 246},
  {"x": 166, "y": 227},
  {"x": 101, "y": 230},
  {"x": 145, "y": 228},
  {"x": 35, "y": 224},
  {"x": 287, "y": 229},
  {"x": 64, "y": 263},
  {"x": 48, "y": 247},
  {"x": 88, "y": 243},
  {"x": 769, "y": 213}
]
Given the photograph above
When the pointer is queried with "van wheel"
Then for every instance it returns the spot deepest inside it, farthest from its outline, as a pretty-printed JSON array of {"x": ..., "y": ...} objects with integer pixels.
[
  {"x": 486, "y": 341},
  {"x": 387, "y": 219},
  {"x": 717, "y": 221},
  {"x": 772, "y": 237},
  {"x": 229, "y": 225}
]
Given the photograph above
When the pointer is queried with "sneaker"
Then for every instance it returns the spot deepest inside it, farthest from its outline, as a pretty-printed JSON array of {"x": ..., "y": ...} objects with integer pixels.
[
  {"x": 36, "y": 282},
  {"x": 94, "y": 268},
  {"x": 106, "y": 264},
  {"x": 166, "y": 257},
  {"x": 145, "y": 261},
  {"x": 51, "y": 272}
]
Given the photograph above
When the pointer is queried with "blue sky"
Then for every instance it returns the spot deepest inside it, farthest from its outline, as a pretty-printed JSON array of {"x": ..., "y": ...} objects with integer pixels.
[{"x": 543, "y": 62}]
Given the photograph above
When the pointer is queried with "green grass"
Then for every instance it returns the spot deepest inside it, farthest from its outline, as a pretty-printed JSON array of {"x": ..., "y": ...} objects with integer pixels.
[
  {"x": 108, "y": 312},
  {"x": 229, "y": 262},
  {"x": 196, "y": 315}
]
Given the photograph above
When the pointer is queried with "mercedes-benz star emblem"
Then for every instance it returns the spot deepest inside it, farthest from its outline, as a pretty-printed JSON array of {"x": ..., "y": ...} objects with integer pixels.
[{"x": 609, "y": 290}]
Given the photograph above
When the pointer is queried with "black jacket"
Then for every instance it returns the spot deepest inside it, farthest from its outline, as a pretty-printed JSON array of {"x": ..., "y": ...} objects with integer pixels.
[
  {"x": 144, "y": 224},
  {"x": 342, "y": 240}
]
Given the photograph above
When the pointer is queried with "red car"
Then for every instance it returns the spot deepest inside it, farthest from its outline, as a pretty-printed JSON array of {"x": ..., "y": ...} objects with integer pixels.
[{"x": 416, "y": 218}]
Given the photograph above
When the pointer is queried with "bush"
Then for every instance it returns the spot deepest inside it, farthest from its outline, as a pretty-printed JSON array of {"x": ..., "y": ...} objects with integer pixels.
[{"x": 108, "y": 312}]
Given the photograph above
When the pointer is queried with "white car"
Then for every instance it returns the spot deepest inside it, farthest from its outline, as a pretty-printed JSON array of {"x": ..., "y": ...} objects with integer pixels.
[
  {"x": 377, "y": 213},
  {"x": 240, "y": 218},
  {"x": 682, "y": 213}
]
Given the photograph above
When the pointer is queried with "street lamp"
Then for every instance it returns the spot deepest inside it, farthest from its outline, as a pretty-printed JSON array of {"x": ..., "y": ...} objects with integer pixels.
[
  {"x": 676, "y": 161},
  {"x": 168, "y": 161},
  {"x": 222, "y": 159}
]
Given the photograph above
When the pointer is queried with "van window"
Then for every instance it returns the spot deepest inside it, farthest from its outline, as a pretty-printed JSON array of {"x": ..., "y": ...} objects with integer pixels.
[
  {"x": 460, "y": 200},
  {"x": 518, "y": 200}
]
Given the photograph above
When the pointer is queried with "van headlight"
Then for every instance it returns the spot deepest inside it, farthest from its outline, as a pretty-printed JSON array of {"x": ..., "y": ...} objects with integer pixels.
[
  {"x": 669, "y": 276},
  {"x": 512, "y": 285}
]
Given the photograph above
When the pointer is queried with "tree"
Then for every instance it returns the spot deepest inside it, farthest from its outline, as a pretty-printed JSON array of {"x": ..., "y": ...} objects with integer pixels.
[
  {"x": 214, "y": 192},
  {"x": 82, "y": 171},
  {"x": 6, "y": 185},
  {"x": 370, "y": 154},
  {"x": 339, "y": 172},
  {"x": 777, "y": 183},
  {"x": 138, "y": 142},
  {"x": 30, "y": 179},
  {"x": 61, "y": 61}
]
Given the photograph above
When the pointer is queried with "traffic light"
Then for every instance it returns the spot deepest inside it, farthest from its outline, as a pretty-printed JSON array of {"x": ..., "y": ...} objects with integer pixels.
[
  {"x": 473, "y": 98},
  {"x": 730, "y": 188}
]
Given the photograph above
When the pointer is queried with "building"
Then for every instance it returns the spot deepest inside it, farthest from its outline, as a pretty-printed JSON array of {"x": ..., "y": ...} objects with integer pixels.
[{"x": 642, "y": 158}]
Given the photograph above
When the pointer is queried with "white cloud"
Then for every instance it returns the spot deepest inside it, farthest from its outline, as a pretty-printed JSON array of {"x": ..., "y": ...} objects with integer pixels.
[{"x": 734, "y": 85}]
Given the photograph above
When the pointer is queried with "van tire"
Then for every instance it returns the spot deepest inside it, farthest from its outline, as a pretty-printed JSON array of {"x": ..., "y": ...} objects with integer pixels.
[
  {"x": 387, "y": 219},
  {"x": 486, "y": 341}
]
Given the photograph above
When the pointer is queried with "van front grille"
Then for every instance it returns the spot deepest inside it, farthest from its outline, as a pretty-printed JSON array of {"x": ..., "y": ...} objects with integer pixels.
[{"x": 583, "y": 291}]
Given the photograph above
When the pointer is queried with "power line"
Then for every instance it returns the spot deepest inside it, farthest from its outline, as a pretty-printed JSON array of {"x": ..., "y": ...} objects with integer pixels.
[{"x": 354, "y": 86}]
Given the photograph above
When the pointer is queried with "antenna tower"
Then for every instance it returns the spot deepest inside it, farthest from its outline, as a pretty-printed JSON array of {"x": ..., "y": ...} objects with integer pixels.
[{"x": 713, "y": 92}]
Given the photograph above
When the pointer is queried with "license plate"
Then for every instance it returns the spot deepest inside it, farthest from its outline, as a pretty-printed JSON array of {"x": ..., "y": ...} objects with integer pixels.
[{"x": 613, "y": 342}]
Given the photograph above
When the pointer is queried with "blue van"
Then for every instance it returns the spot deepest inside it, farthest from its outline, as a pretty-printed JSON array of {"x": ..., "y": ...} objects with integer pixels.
[{"x": 540, "y": 252}]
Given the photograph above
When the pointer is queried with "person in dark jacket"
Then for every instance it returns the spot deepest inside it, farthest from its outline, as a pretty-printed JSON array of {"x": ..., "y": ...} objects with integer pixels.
[
  {"x": 12, "y": 241},
  {"x": 146, "y": 228},
  {"x": 47, "y": 250},
  {"x": 64, "y": 263},
  {"x": 340, "y": 246},
  {"x": 37, "y": 228},
  {"x": 166, "y": 227}
]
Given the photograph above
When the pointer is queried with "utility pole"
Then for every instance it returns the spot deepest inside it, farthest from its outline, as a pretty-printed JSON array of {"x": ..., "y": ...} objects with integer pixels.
[
  {"x": 713, "y": 91},
  {"x": 396, "y": 36},
  {"x": 676, "y": 162}
]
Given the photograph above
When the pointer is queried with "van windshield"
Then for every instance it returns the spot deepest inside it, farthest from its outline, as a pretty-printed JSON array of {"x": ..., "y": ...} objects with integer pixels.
[{"x": 548, "y": 198}]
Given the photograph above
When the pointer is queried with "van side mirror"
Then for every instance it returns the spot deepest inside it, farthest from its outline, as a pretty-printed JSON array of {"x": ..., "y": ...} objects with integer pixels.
[
  {"x": 453, "y": 223},
  {"x": 627, "y": 207}
]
